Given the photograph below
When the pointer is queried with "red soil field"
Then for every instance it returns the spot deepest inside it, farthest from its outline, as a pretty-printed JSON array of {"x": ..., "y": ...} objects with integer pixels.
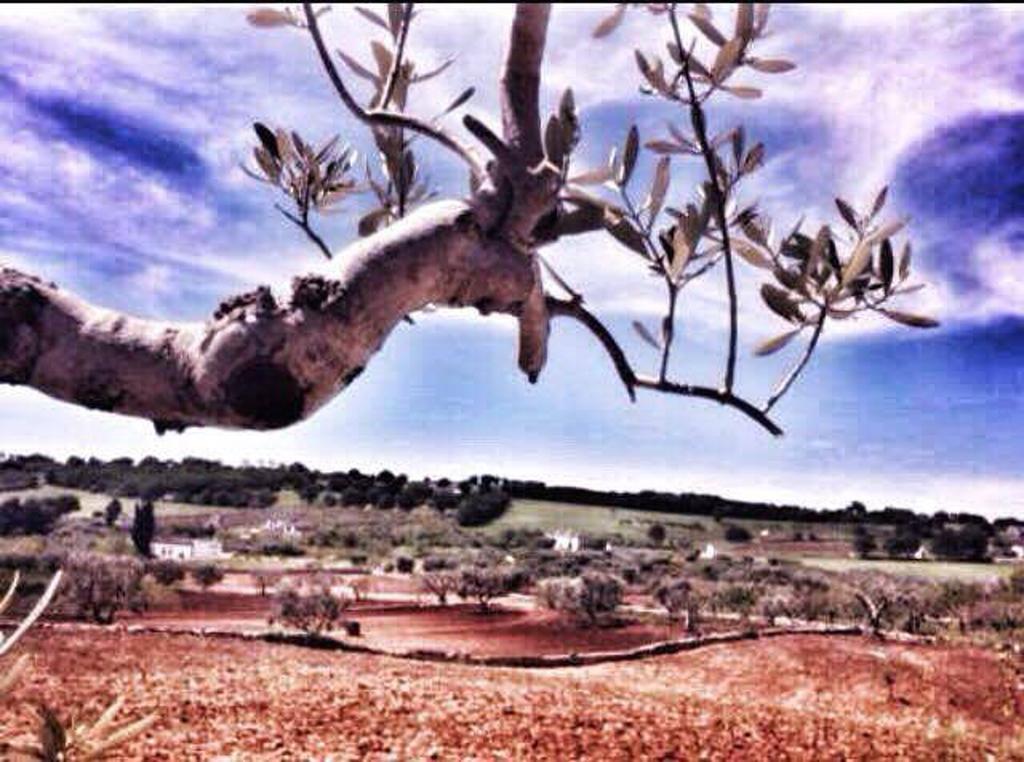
[
  {"x": 401, "y": 626},
  {"x": 797, "y": 697}
]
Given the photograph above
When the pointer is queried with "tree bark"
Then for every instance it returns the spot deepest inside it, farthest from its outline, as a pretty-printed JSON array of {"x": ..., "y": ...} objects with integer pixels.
[
  {"x": 265, "y": 362},
  {"x": 259, "y": 362}
]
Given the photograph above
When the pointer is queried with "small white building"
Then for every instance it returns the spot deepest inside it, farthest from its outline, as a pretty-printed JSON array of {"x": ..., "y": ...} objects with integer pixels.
[
  {"x": 565, "y": 541},
  {"x": 282, "y": 528},
  {"x": 709, "y": 552},
  {"x": 922, "y": 554},
  {"x": 1017, "y": 551},
  {"x": 189, "y": 550}
]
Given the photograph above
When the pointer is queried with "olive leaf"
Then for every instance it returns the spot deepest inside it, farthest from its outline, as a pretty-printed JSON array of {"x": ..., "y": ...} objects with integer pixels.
[
  {"x": 906, "y": 318},
  {"x": 645, "y": 334},
  {"x": 610, "y": 23},
  {"x": 629, "y": 156},
  {"x": 776, "y": 343},
  {"x": 771, "y": 65}
]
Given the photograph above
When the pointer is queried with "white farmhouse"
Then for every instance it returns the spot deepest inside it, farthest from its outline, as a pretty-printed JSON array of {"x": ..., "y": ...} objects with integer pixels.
[
  {"x": 565, "y": 541},
  {"x": 282, "y": 528},
  {"x": 709, "y": 552},
  {"x": 189, "y": 550}
]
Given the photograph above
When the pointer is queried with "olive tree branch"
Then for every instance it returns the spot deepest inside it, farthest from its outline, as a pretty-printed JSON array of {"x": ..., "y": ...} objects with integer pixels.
[
  {"x": 303, "y": 223},
  {"x": 377, "y": 117},
  {"x": 575, "y": 310},
  {"x": 797, "y": 369},
  {"x": 700, "y": 132},
  {"x": 396, "y": 64}
]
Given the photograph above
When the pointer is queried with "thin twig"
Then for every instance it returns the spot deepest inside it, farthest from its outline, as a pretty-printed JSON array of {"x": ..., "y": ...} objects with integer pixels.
[
  {"x": 705, "y": 392},
  {"x": 576, "y": 295},
  {"x": 304, "y": 225},
  {"x": 787, "y": 382},
  {"x": 668, "y": 328},
  {"x": 574, "y": 309},
  {"x": 396, "y": 65},
  {"x": 567, "y": 308},
  {"x": 381, "y": 118},
  {"x": 700, "y": 132}
]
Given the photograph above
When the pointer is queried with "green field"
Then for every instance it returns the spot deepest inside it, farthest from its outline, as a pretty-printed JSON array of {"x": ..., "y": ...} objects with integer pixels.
[
  {"x": 633, "y": 524},
  {"x": 938, "y": 570},
  {"x": 548, "y": 516}
]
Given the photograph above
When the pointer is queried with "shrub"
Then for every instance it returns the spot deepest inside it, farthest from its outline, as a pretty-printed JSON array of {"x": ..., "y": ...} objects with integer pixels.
[
  {"x": 864, "y": 542},
  {"x": 969, "y": 543},
  {"x": 481, "y": 508},
  {"x": 1015, "y": 583},
  {"x": 166, "y": 572},
  {"x": 738, "y": 598},
  {"x": 589, "y": 598},
  {"x": 97, "y": 587},
  {"x": 284, "y": 549},
  {"x": 360, "y": 587},
  {"x": 207, "y": 575},
  {"x": 438, "y": 563},
  {"x": 351, "y": 496},
  {"x": 903, "y": 542},
  {"x": 404, "y": 564},
  {"x": 656, "y": 534},
  {"x": 774, "y": 606},
  {"x": 736, "y": 533},
  {"x": 112, "y": 512},
  {"x": 314, "y": 611}
]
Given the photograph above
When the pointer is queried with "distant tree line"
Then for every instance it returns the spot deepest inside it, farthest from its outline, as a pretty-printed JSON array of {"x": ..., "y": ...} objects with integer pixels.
[
  {"x": 475, "y": 500},
  {"x": 724, "y": 508}
]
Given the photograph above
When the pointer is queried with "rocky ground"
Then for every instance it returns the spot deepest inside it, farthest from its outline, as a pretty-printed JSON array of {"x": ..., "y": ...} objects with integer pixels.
[{"x": 795, "y": 697}]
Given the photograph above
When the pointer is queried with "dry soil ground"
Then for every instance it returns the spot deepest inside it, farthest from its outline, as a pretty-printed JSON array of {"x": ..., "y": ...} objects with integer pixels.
[{"x": 798, "y": 697}]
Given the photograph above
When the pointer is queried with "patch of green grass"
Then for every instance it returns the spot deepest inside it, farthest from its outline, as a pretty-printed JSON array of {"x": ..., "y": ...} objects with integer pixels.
[
  {"x": 548, "y": 516},
  {"x": 633, "y": 524},
  {"x": 938, "y": 570}
]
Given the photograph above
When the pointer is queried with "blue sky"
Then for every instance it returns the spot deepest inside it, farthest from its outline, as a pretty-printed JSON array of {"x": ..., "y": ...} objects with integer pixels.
[{"x": 123, "y": 128}]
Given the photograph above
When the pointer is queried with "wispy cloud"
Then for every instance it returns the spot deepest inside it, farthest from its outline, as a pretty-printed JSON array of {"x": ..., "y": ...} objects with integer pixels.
[{"x": 123, "y": 129}]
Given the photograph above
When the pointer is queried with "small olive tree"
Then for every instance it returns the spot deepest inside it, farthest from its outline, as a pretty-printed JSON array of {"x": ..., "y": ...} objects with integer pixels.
[
  {"x": 314, "y": 610},
  {"x": 590, "y": 598},
  {"x": 485, "y": 583},
  {"x": 166, "y": 571},
  {"x": 98, "y": 587},
  {"x": 441, "y": 584},
  {"x": 681, "y": 601},
  {"x": 207, "y": 575}
]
